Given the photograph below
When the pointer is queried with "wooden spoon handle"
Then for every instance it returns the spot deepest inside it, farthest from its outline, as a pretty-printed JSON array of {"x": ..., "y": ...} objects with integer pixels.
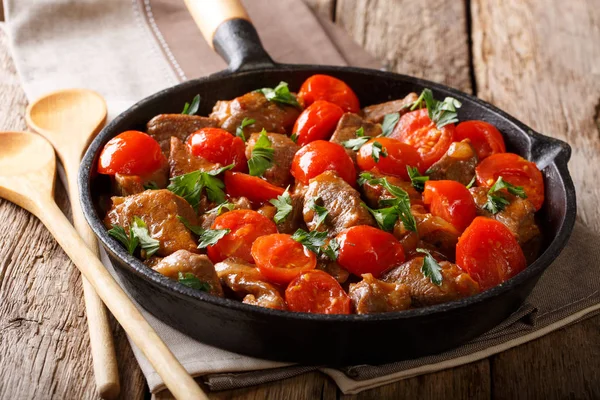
[
  {"x": 210, "y": 14},
  {"x": 176, "y": 378}
]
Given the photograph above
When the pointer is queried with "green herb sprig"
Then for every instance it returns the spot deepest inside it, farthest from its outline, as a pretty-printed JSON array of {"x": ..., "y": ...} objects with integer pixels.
[
  {"x": 262, "y": 155},
  {"x": 356, "y": 143},
  {"x": 192, "y": 109},
  {"x": 190, "y": 280},
  {"x": 190, "y": 186},
  {"x": 378, "y": 151},
  {"x": 389, "y": 123},
  {"x": 431, "y": 269},
  {"x": 138, "y": 235},
  {"x": 239, "y": 131},
  {"x": 280, "y": 94},
  {"x": 283, "y": 204},
  {"x": 495, "y": 201},
  {"x": 208, "y": 237},
  {"x": 416, "y": 179},
  {"x": 441, "y": 113},
  {"x": 319, "y": 210}
]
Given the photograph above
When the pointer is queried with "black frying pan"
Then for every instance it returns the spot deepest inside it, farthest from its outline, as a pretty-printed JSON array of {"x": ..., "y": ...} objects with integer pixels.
[{"x": 312, "y": 338}]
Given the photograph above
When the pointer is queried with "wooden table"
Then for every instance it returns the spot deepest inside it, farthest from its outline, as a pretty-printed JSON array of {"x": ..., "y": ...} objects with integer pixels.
[{"x": 539, "y": 61}]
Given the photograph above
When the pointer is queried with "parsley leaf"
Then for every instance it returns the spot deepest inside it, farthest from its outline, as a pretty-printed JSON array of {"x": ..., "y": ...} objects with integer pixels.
[
  {"x": 192, "y": 109},
  {"x": 320, "y": 210},
  {"x": 495, "y": 202},
  {"x": 130, "y": 242},
  {"x": 385, "y": 217},
  {"x": 431, "y": 269},
  {"x": 389, "y": 122},
  {"x": 502, "y": 184},
  {"x": 283, "y": 204},
  {"x": 280, "y": 94},
  {"x": 332, "y": 249},
  {"x": 294, "y": 138},
  {"x": 148, "y": 244},
  {"x": 218, "y": 209},
  {"x": 208, "y": 237},
  {"x": 441, "y": 113},
  {"x": 190, "y": 280},
  {"x": 151, "y": 185},
  {"x": 262, "y": 155},
  {"x": 311, "y": 240},
  {"x": 356, "y": 143},
  {"x": 239, "y": 131},
  {"x": 189, "y": 186},
  {"x": 377, "y": 151},
  {"x": 471, "y": 182},
  {"x": 417, "y": 180}
]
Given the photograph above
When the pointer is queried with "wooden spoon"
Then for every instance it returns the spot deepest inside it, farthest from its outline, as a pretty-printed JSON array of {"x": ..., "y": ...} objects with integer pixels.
[
  {"x": 27, "y": 171},
  {"x": 70, "y": 119}
]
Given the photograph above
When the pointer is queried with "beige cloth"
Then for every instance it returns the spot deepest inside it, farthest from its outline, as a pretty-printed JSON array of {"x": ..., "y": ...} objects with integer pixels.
[{"x": 129, "y": 49}]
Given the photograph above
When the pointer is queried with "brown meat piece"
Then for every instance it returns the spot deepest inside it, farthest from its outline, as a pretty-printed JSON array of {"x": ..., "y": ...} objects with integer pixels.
[
  {"x": 458, "y": 164},
  {"x": 340, "y": 199},
  {"x": 377, "y": 112},
  {"x": 371, "y": 296},
  {"x": 126, "y": 185},
  {"x": 159, "y": 210},
  {"x": 185, "y": 262},
  {"x": 334, "y": 269},
  {"x": 293, "y": 221},
  {"x": 456, "y": 283},
  {"x": 182, "y": 161},
  {"x": 375, "y": 193},
  {"x": 346, "y": 130},
  {"x": 270, "y": 116},
  {"x": 284, "y": 150},
  {"x": 207, "y": 219},
  {"x": 247, "y": 283},
  {"x": 163, "y": 126}
]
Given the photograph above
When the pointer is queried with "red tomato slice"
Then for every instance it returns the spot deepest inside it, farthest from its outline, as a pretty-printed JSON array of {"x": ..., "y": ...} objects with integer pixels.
[
  {"x": 484, "y": 137},
  {"x": 399, "y": 155},
  {"x": 317, "y": 292},
  {"x": 279, "y": 258},
  {"x": 220, "y": 147},
  {"x": 364, "y": 249},
  {"x": 320, "y": 156},
  {"x": 451, "y": 201},
  {"x": 328, "y": 88},
  {"x": 245, "y": 227},
  {"x": 515, "y": 170},
  {"x": 415, "y": 128},
  {"x": 131, "y": 153},
  {"x": 317, "y": 122},
  {"x": 257, "y": 190},
  {"x": 489, "y": 252}
]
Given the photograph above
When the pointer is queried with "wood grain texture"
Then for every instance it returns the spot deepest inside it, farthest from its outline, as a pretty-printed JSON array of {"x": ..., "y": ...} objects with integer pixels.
[{"x": 324, "y": 8}]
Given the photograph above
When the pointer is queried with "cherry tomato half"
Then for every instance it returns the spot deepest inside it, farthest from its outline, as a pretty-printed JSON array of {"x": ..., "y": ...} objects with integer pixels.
[
  {"x": 320, "y": 156},
  {"x": 415, "y": 128},
  {"x": 220, "y": 147},
  {"x": 317, "y": 122},
  {"x": 245, "y": 227},
  {"x": 328, "y": 88},
  {"x": 131, "y": 153},
  {"x": 451, "y": 201},
  {"x": 280, "y": 258},
  {"x": 484, "y": 137},
  {"x": 364, "y": 249},
  {"x": 515, "y": 170},
  {"x": 489, "y": 252},
  {"x": 317, "y": 292},
  {"x": 399, "y": 155},
  {"x": 257, "y": 190}
]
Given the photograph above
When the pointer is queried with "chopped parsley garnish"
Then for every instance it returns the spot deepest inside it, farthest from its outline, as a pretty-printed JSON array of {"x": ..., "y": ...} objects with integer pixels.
[
  {"x": 389, "y": 122},
  {"x": 441, "y": 113},
  {"x": 332, "y": 249},
  {"x": 151, "y": 185},
  {"x": 495, "y": 201},
  {"x": 417, "y": 180},
  {"x": 208, "y": 237},
  {"x": 192, "y": 109},
  {"x": 356, "y": 143},
  {"x": 311, "y": 240},
  {"x": 239, "y": 131},
  {"x": 319, "y": 210},
  {"x": 294, "y": 138},
  {"x": 471, "y": 183},
  {"x": 129, "y": 241},
  {"x": 138, "y": 235},
  {"x": 262, "y": 155},
  {"x": 280, "y": 94},
  {"x": 190, "y": 280},
  {"x": 219, "y": 209},
  {"x": 189, "y": 186},
  {"x": 431, "y": 269},
  {"x": 378, "y": 151},
  {"x": 385, "y": 217},
  {"x": 283, "y": 204}
]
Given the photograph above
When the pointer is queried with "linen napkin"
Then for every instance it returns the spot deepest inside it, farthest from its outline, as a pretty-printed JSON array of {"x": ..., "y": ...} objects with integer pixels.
[{"x": 127, "y": 50}]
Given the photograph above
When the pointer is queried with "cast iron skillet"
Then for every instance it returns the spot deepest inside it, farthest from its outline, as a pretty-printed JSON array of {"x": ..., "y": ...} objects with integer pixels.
[{"x": 311, "y": 338}]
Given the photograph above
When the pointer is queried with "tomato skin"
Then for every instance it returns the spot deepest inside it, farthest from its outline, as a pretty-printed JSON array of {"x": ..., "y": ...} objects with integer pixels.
[
  {"x": 245, "y": 227},
  {"x": 365, "y": 249},
  {"x": 485, "y": 138},
  {"x": 451, "y": 201},
  {"x": 489, "y": 252},
  {"x": 257, "y": 190},
  {"x": 415, "y": 128},
  {"x": 279, "y": 258},
  {"x": 317, "y": 292},
  {"x": 320, "y": 156},
  {"x": 515, "y": 170},
  {"x": 131, "y": 153},
  {"x": 328, "y": 88},
  {"x": 317, "y": 122},
  {"x": 220, "y": 147},
  {"x": 399, "y": 155}
]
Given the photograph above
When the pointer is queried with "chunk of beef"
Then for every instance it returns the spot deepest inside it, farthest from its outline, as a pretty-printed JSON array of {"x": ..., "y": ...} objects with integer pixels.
[
  {"x": 185, "y": 262},
  {"x": 207, "y": 219},
  {"x": 341, "y": 200},
  {"x": 247, "y": 283},
  {"x": 334, "y": 269},
  {"x": 371, "y": 296},
  {"x": 375, "y": 193},
  {"x": 346, "y": 130},
  {"x": 163, "y": 126},
  {"x": 182, "y": 161},
  {"x": 377, "y": 112},
  {"x": 284, "y": 150},
  {"x": 126, "y": 185},
  {"x": 293, "y": 221},
  {"x": 456, "y": 283},
  {"x": 458, "y": 164},
  {"x": 159, "y": 210},
  {"x": 271, "y": 116}
]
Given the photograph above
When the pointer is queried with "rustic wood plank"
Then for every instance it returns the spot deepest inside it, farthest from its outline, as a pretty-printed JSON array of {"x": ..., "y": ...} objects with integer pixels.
[
  {"x": 44, "y": 345},
  {"x": 325, "y": 8}
]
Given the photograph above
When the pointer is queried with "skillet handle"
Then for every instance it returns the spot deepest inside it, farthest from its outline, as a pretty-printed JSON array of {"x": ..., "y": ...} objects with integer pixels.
[{"x": 227, "y": 28}]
